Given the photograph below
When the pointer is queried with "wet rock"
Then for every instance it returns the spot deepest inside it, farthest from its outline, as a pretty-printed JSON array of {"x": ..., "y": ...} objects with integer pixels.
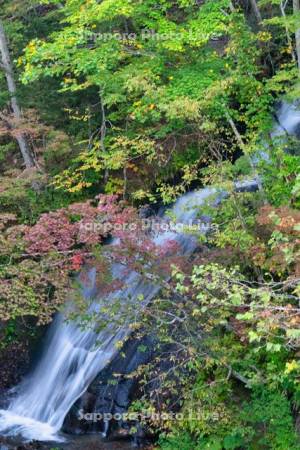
[
  {"x": 14, "y": 362},
  {"x": 16, "y": 354},
  {"x": 3, "y": 447},
  {"x": 15, "y": 444},
  {"x": 247, "y": 186},
  {"x": 101, "y": 408},
  {"x": 139, "y": 436},
  {"x": 73, "y": 423},
  {"x": 146, "y": 211}
]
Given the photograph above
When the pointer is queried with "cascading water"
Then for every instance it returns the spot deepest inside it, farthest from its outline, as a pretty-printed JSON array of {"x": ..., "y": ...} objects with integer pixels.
[
  {"x": 288, "y": 118},
  {"x": 73, "y": 357}
]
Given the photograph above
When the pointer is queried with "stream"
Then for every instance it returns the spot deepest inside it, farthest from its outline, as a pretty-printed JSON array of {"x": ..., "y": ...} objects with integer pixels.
[{"x": 73, "y": 357}]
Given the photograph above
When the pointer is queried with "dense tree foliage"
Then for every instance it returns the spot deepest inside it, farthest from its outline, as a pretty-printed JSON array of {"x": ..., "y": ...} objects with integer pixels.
[{"x": 106, "y": 106}]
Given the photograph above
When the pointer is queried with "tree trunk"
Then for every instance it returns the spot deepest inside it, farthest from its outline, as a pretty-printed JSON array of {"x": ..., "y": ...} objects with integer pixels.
[
  {"x": 287, "y": 31},
  {"x": 231, "y": 6},
  {"x": 11, "y": 85},
  {"x": 243, "y": 147},
  {"x": 256, "y": 10},
  {"x": 296, "y": 8}
]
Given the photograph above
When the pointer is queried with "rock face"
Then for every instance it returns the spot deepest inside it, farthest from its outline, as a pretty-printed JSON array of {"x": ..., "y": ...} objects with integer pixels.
[
  {"x": 17, "y": 353},
  {"x": 14, "y": 361},
  {"x": 111, "y": 392},
  {"x": 146, "y": 211}
]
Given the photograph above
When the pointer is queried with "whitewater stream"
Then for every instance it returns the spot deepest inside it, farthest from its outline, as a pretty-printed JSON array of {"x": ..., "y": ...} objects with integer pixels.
[{"x": 72, "y": 356}]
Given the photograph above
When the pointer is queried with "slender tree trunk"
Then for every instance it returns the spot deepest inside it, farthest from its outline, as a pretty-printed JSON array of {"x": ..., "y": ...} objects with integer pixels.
[
  {"x": 243, "y": 147},
  {"x": 296, "y": 8},
  {"x": 256, "y": 11},
  {"x": 103, "y": 135},
  {"x": 125, "y": 182},
  {"x": 287, "y": 32},
  {"x": 11, "y": 85},
  {"x": 231, "y": 6}
]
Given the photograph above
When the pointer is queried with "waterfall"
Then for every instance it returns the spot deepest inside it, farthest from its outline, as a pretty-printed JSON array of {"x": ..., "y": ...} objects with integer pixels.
[
  {"x": 288, "y": 118},
  {"x": 73, "y": 356}
]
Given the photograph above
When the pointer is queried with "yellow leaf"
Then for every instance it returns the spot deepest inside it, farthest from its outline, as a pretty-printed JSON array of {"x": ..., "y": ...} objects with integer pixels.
[{"x": 291, "y": 366}]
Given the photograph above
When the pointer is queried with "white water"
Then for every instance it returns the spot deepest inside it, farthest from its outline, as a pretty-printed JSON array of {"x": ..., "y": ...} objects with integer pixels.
[
  {"x": 73, "y": 357},
  {"x": 288, "y": 116},
  {"x": 287, "y": 124}
]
